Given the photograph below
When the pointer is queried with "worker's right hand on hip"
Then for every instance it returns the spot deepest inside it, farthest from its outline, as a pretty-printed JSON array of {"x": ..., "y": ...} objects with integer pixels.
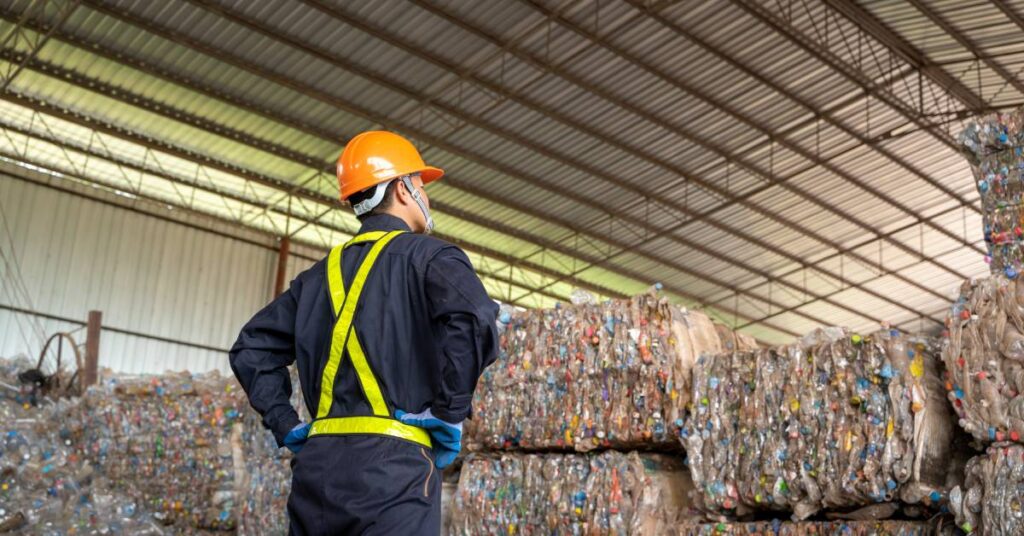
[
  {"x": 296, "y": 438},
  {"x": 448, "y": 435}
]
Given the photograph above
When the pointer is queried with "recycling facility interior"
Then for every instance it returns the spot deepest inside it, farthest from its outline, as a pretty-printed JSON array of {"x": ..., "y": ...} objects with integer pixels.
[{"x": 760, "y": 257}]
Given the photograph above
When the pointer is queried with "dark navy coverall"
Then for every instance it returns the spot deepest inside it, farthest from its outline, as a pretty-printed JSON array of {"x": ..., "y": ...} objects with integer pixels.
[{"x": 427, "y": 328}]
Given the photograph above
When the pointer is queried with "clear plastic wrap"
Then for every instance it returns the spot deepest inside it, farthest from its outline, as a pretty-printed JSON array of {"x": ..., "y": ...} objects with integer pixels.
[
  {"x": 995, "y": 149},
  {"x": 984, "y": 357},
  {"x": 609, "y": 493},
  {"x": 990, "y": 501},
  {"x": 579, "y": 377},
  {"x": 839, "y": 420}
]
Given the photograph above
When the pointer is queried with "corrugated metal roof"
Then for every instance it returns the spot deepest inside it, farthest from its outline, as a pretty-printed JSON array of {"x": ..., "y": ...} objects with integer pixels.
[{"x": 700, "y": 145}]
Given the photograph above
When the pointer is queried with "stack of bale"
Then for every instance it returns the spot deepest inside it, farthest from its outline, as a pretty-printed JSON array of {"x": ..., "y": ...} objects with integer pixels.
[
  {"x": 984, "y": 356},
  {"x": 778, "y": 527},
  {"x": 167, "y": 454},
  {"x": 171, "y": 441},
  {"x": 47, "y": 485},
  {"x": 984, "y": 349},
  {"x": 575, "y": 392},
  {"x": 993, "y": 148},
  {"x": 610, "y": 492},
  {"x": 837, "y": 421}
]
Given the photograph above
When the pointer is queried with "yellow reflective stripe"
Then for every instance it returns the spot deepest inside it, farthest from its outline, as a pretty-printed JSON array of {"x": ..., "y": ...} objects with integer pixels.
[
  {"x": 334, "y": 280},
  {"x": 371, "y": 236},
  {"x": 344, "y": 323},
  {"x": 366, "y": 378},
  {"x": 370, "y": 425}
]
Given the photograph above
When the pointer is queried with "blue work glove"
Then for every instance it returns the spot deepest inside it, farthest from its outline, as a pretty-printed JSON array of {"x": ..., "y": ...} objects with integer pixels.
[
  {"x": 296, "y": 438},
  {"x": 447, "y": 436}
]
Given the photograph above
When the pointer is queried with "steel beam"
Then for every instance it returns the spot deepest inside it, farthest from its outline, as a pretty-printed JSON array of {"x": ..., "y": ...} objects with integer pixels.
[
  {"x": 441, "y": 208},
  {"x": 717, "y": 190},
  {"x": 134, "y": 207},
  {"x": 166, "y": 111},
  {"x": 334, "y": 101},
  {"x": 965, "y": 42},
  {"x": 808, "y": 155},
  {"x": 468, "y": 247},
  {"x": 906, "y": 51},
  {"x": 481, "y": 250},
  {"x": 44, "y": 108},
  {"x": 820, "y": 51},
  {"x": 1011, "y": 14},
  {"x": 823, "y": 114},
  {"x": 706, "y": 278},
  {"x": 65, "y": 12},
  {"x": 256, "y": 26},
  {"x": 511, "y": 136}
]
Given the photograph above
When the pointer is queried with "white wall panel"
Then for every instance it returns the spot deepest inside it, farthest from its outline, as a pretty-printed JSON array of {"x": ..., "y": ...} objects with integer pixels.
[{"x": 145, "y": 274}]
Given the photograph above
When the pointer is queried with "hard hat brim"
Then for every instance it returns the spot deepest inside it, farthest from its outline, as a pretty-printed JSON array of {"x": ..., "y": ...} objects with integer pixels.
[{"x": 430, "y": 174}]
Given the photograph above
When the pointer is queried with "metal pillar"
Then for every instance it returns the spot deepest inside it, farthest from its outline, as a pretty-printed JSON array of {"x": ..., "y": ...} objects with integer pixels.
[
  {"x": 282, "y": 264},
  {"x": 92, "y": 348}
]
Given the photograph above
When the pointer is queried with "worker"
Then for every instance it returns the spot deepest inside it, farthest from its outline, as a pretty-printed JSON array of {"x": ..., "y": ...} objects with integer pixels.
[{"x": 390, "y": 333}]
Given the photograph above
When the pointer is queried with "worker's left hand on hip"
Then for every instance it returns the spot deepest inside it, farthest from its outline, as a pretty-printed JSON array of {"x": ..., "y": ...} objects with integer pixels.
[
  {"x": 444, "y": 457},
  {"x": 448, "y": 435},
  {"x": 296, "y": 438}
]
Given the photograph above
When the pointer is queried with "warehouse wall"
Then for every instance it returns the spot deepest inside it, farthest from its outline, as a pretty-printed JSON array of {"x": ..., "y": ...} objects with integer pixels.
[{"x": 191, "y": 279}]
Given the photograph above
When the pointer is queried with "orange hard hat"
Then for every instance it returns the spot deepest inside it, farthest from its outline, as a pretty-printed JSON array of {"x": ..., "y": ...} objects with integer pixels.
[{"x": 378, "y": 156}]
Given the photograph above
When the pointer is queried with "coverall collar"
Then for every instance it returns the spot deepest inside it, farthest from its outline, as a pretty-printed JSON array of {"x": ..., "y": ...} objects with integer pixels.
[{"x": 383, "y": 222}]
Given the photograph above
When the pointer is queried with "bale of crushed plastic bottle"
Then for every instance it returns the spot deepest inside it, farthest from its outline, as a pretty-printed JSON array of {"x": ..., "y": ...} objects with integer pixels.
[
  {"x": 170, "y": 441},
  {"x": 46, "y": 484},
  {"x": 984, "y": 357},
  {"x": 578, "y": 377},
  {"x": 778, "y": 527},
  {"x": 836, "y": 421},
  {"x": 993, "y": 146},
  {"x": 606, "y": 493},
  {"x": 991, "y": 500}
]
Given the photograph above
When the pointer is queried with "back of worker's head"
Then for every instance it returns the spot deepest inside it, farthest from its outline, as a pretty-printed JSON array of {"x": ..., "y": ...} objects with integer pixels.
[
  {"x": 382, "y": 172},
  {"x": 393, "y": 198}
]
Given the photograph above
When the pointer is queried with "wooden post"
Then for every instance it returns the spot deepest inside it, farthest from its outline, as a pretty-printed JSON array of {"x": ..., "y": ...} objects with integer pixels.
[
  {"x": 282, "y": 265},
  {"x": 92, "y": 348}
]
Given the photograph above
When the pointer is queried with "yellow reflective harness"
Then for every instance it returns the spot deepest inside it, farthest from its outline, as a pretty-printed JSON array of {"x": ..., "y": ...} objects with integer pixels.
[{"x": 343, "y": 338}]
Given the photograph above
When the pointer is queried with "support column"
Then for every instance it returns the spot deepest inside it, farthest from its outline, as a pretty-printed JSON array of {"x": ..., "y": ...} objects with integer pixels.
[
  {"x": 282, "y": 265},
  {"x": 92, "y": 348}
]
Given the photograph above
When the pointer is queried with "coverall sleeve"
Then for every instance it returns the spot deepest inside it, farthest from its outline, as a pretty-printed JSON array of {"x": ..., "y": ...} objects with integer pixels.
[
  {"x": 469, "y": 334},
  {"x": 260, "y": 359}
]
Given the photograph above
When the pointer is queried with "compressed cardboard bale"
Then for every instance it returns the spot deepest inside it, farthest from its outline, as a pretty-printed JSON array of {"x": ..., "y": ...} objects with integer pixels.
[
  {"x": 990, "y": 501},
  {"x": 984, "y": 358},
  {"x": 579, "y": 377},
  {"x": 809, "y": 528},
  {"x": 993, "y": 147},
  {"x": 606, "y": 493},
  {"x": 837, "y": 420}
]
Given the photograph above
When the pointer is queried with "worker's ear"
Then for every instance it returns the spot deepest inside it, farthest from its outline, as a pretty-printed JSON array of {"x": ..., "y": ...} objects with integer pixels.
[{"x": 402, "y": 196}]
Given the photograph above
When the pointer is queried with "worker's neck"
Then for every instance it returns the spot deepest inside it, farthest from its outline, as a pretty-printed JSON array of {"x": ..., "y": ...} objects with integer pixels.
[{"x": 410, "y": 220}]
